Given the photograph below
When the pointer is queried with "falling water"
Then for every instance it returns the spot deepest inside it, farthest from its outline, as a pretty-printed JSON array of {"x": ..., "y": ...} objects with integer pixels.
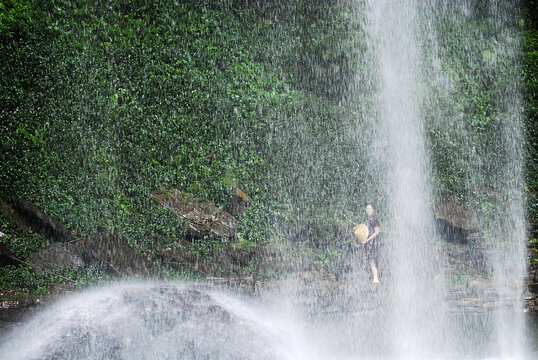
[
  {"x": 401, "y": 140},
  {"x": 409, "y": 64},
  {"x": 409, "y": 94}
]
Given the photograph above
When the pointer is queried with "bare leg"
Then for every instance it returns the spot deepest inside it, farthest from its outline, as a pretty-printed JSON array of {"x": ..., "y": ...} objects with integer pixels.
[{"x": 373, "y": 268}]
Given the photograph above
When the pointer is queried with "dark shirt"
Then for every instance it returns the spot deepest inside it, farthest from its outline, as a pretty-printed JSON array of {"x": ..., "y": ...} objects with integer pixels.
[
  {"x": 371, "y": 222},
  {"x": 371, "y": 249}
]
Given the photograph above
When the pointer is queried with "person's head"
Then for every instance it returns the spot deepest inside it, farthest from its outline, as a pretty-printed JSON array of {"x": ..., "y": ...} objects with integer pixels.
[{"x": 369, "y": 209}]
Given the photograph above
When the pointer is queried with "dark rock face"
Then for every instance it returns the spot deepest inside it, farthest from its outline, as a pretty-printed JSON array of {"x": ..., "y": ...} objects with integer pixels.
[
  {"x": 58, "y": 255},
  {"x": 456, "y": 223},
  {"x": 112, "y": 252},
  {"x": 225, "y": 262},
  {"x": 142, "y": 321},
  {"x": 6, "y": 257},
  {"x": 17, "y": 307},
  {"x": 40, "y": 222},
  {"x": 204, "y": 218},
  {"x": 105, "y": 250}
]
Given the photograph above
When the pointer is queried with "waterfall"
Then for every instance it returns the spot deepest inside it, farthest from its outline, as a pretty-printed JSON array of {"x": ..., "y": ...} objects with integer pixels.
[
  {"x": 434, "y": 113},
  {"x": 417, "y": 77},
  {"x": 400, "y": 142}
]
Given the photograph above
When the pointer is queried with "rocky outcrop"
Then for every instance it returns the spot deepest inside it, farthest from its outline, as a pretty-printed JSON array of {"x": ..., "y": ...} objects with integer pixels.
[
  {"x": 6, "y": 257},
  {"x": 15, "y": 307},
  {"x": 456, "y": 223},
  {"x": 106, "y": 250},
  {"x": 38, "y": 221},
  {"x": 204, "y": 218},
  {"x": 112, "y": 253},
  {"x": 219, "y": 262}
]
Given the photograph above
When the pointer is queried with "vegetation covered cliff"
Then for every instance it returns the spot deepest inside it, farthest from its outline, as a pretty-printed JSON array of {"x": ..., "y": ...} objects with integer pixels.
[{"x": 103, "y": 103}]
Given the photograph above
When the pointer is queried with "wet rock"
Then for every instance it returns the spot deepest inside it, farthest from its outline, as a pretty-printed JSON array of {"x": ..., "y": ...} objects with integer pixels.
[
  {"x": 105, "y": 249},
  {"x": 219, "y": 265},
  {"x": 299, "y": 230},
  {"x": 39, "y": 221},
  {"x": 465, "y": 258},
  {"x": 112, "y": 253},
  {"x": 456, "y": 223},
  {"x": 531, "y": 283},
  {"x": 233, "y": 255},
  {"x": 204, "y": 218},
  {"x": 239, "y": 202},
  {"x": 17, "y": 306},
  {"x": 57, "y": 255}
]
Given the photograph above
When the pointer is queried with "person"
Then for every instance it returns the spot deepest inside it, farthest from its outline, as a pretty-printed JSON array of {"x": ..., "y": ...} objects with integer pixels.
[{"x": 371, "y": 245}]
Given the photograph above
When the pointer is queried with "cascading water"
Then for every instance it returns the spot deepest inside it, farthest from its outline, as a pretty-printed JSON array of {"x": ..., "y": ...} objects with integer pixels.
[
  {"x": 414, "y": 96},
  {"x": 401, "y": 145}
]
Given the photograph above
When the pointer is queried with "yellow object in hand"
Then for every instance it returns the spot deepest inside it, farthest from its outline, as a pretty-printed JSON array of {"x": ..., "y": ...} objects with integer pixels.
[{"x": 361, "y": 233}]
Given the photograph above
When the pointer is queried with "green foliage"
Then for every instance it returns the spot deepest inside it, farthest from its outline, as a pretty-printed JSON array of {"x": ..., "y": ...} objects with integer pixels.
[
  {"x": 79, "y": 277},
  {"x": 459, "y": 278},
  {"x": 15, "y": 15},
  {"x": 21, "y": 278},
  {"x": 121, "y": 110},
  {"x": 122, "y": 99},
  {"x": 325, "y": 48},
  {"x": 465, "y": 121},
  {"x": 104, "y": 102},
  {"x": 20, "y": 243}
]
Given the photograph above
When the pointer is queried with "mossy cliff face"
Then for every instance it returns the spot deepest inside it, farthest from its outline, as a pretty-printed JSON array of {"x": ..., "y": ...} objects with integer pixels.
[{"x": 105, "y": 103}]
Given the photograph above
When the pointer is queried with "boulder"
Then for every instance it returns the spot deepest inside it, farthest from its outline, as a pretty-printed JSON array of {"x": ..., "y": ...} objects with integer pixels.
[
  {"x": 203, "y": 217},
  {"x": 221, "y": 262},
  {"x": 112, "y": 253},
  {"x": 148, "y": 321},
  {"x": 104, "y": 250},
  {"x": 57, "y": 255},
  {"x": 6, "y": 257},
  {"x": 456, "y": 223},
  {"x": 457, "y": 215}
]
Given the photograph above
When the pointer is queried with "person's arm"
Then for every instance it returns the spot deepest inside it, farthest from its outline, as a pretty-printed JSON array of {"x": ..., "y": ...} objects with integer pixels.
[{"x": 376, "y": 232}]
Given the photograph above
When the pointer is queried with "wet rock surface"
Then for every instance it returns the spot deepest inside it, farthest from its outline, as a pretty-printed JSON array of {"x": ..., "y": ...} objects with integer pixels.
[
  {"x": 219, "y": 262},
  {"x": 204, "y": 218},
  {"x": 105, "y": 250},
  {"x": 111, "y": 252},
  {"x": 238, "y": 203},
  {"x": 455, "y": 223},
  {"x": 38, "y": 221}
]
